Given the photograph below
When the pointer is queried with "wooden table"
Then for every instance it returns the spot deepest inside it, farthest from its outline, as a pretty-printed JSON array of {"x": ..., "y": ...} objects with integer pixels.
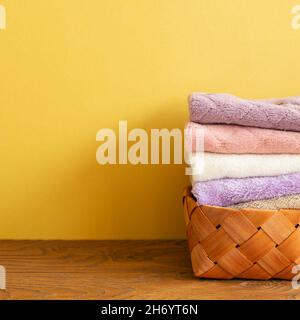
[{"x": 118, "y": 270}]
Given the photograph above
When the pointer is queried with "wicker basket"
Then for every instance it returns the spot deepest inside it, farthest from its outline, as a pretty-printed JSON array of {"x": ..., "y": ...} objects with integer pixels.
[{"x": 247, "y": 244}]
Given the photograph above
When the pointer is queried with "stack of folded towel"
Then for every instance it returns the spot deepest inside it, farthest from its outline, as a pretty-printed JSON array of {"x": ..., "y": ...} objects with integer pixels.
[{"x": 251, "y": 151}]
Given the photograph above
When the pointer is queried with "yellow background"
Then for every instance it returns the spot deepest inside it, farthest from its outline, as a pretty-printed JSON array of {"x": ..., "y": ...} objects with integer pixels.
[{"x": 70, "y": 67}]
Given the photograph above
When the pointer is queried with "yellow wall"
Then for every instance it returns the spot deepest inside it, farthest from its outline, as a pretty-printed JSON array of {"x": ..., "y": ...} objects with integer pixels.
[{"x": 70, "y": 67}]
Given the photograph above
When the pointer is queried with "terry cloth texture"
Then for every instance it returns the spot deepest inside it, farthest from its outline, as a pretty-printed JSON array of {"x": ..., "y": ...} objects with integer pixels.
[
  {"x": 280, "y": 114},
  {"x": 238, "y": 139},
  {"x": 228, "y": 192},
  {"x": 287, "y": 202},
  {"x": 210, "y": 166}
]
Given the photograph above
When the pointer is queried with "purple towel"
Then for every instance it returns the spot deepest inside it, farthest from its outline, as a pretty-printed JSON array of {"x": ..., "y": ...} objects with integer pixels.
[
  {"x": 281, "y": 114},
  {"x": 228, "y": 192}
]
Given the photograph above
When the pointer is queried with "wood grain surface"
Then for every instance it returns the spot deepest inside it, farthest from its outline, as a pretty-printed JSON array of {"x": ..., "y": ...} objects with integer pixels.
[{"x": 118, "y": 270}]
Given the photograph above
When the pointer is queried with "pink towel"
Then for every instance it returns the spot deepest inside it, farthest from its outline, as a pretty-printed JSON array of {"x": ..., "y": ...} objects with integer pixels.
[
  {"x": 239, "y": 139},
  {"x": 280, "y": 114}
]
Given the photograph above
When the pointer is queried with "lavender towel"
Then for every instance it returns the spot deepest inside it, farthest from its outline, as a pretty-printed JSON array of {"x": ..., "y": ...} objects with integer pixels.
[
  {"x": 228, "y": 192},
  {"x": 281, "y": 114}
]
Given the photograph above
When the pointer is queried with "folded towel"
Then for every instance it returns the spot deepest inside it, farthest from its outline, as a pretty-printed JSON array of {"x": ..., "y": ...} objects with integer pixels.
[
  {"x": 287, "y": 202},
  {"x": 210, "y": 166},
  {"x": 228, "y": 192},
  {"x": 237, "y": 139},
  {"x": 282, "y": 114}
]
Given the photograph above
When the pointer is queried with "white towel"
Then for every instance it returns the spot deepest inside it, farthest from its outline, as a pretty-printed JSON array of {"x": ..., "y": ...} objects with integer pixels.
[{"x": 209, "y": 166}]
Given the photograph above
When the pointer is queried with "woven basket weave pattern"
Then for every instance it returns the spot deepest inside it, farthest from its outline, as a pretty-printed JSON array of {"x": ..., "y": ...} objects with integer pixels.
[{"x": 247, "y": 244}]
